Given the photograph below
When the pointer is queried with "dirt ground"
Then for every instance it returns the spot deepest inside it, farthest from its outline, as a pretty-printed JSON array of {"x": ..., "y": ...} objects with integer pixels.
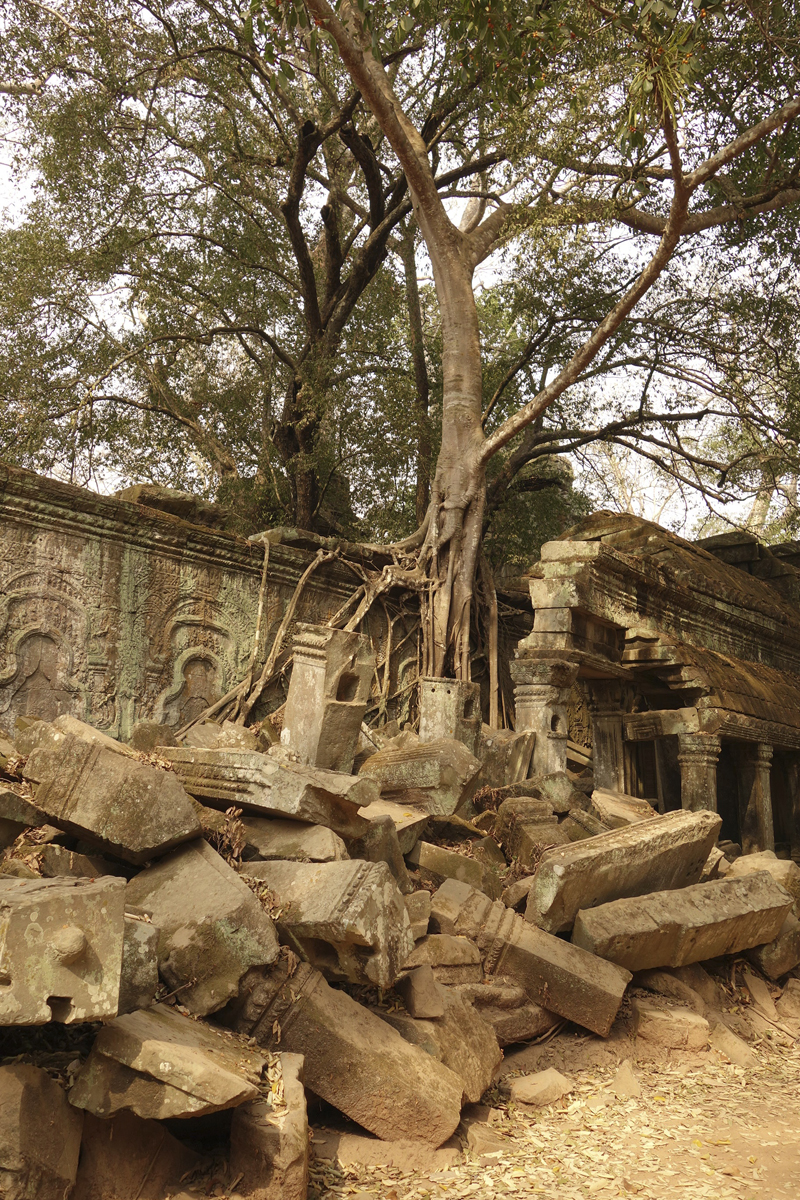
[{"x": 701, "y": 1128}]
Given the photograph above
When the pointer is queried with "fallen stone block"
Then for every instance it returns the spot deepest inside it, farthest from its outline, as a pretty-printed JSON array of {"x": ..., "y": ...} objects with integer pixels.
[
  {"x": 464, "y": 1042},
  {"x": 51, "y": 734},
  {"x": 265, "y": 786},
  {"x": 418, "y": 907},
  {"x": 559, "y": 791},
  {"x": 760, "y": 995},
  {"x": 666, "y": 983},
  {"x": 409, "y": 822},
  {"x": 505, "y": 755},
  {"x": 269, "y": 1141},
  {"x": 662, "y": 853},
  {"x": 291, "y": 840},
  {"x": 147, "y": 735},
  {"x": 578, "y": 825},
  {"x": 350, "y": 1149},
  {"x": 61, "y": 953},
  {"x": 348, "y": 918},
  {"x": 453, "y": 960},
  {"x": 625, "y": 1084},
  {"x": 668, "y": 929},
  {"x": 353, "y": 1060},
  {"x": 436, "y": 863},
  {"x": 487, "y": 851},
  {"x": 381, "y": 844},
  {"x": 788, "y": 1005},
  {"x": 560, "y": 977},
  {"x": 130, "y": 1159},
  {"x": 545, "y": 1087},
  {"x": 672, "y": 1028},
  {"x": 450, "y": 709},
  {"x": 506, "y": 1007},
  {"x": 40, "y": 1135},
  {"x": 716, "y": 866},
  {"x": 516, "y": 894},
  {"x": 57, "y": 861},
  {"x": 421, "y": 994},
  {"x": 526, "y": 827},
  {"x": 726, "y": 1042},
  {"x": 16, "y": 814},
  {"x": 212, "y": 928},
  {"x": 782, "y": 954},
  {"x": 159, "y": 1063},
  {"x": 783, "y": 870},
  {"x": 126, "y": 806},
  {"x": 446, "y": 904},
  {"x": 433, "y": 777},
  {"x": 617, "y": 810},
  {"x": 139, "y": 977}
]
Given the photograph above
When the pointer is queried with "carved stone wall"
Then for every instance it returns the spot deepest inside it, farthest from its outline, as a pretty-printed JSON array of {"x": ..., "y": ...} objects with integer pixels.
[{"x": 115, "y": 612}]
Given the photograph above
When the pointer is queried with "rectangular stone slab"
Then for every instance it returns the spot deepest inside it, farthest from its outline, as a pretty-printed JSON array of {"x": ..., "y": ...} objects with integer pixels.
[
  {"x": 669, "y": 929},
  {"x": 434, "y": 777},
  {"x": 560, "y": 977},
  {"x": 129, "y": 807},
  {"x": 60, "y": 949},
  {"x": 159, "y": 1063},
  {"x": 661, "y": 853},
  {"x": 268, "y": 839},
  {"x": 409, "y": 822},
  {"x": 40, "y": 1135},
  {"x": 269, "y": 1144},
  {"x": 265, "y": 786},
  {"x": 353, "y": 908}
]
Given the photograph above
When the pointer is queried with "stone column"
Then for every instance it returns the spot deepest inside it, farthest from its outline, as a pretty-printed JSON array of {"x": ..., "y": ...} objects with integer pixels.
[
  {"x": 793, "y": 780},
  {"x": 541, "y": 695},
  {"x": 755, "y": 798},
  {"x": 698, "y": 755},
  {"x": 450, "y": 708},
  {"x": 608, "y": 749}
]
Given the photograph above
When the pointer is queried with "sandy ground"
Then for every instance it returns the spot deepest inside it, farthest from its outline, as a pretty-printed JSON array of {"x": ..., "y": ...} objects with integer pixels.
[{"x": 701, "y": 1127}]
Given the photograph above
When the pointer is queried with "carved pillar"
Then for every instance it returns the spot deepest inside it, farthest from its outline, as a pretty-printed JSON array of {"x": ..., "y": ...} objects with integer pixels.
[
  {"x": 698, "y": 755},
  {"x": 755, "y": 798},
  {"x": 450, "y": 708},
  {"x": 608, "y": 749},
  {"x": 541, "y": 697}
]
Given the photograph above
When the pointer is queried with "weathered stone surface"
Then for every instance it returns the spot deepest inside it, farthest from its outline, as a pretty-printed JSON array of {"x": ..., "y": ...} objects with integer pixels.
[
  {"x": 62, "y": 949},
  {"x": 668, "y": 929},
  {"x": 381, "y": 844},
  {"x": 436, "y": 863},
  {"x": 525, "y": 826},
  {"x": 56, "y": 861},
  {"x": 506, "y": 1007},
  {"x": 761, "y": 995},
  {"x": 726, "y": 1042},
  {"x": 132, "y": 809},
  {"x": 665, "y": 982},
  {"x": 554, "y": 974},
  {"x": 211, "y": 927},
  {"x": 625, "y": 1084},
  {"x": 516, "y": 894},
  {"x": 146, "y": 735},
  {"x": 788, "y": 1004},
  {"x": 672, "y": 1028},
  {"x": 328, "y": 695},
  {"x": 409, "y": 822},
  {"x": 418, "y": 907},
  {"x": 269, "y": 1142},
  {"x": 662, "y": 853},
  {"x": 545, "y": 1087},
  {"x": 348, "y": 918},
  {"x": 421, "y": 994},
  {"x": 505, "y": 756},
  {"x": 139, "y": 978},
  {"x": 452, "y": 959},
  {"x": 783, "y": 871},
  {"x": 16, "y": 814},
  {"x": 352, "y": 1059},
  {"x": 617, "y": 810},
  {"x": 578, "y": 825},
  {"x": 451, "y": 709},
  {"x": 274, "y": 839},
  {"x": 348, "y": 1149},
  {"x": 434, "y": 777},
  {"x": 126, "y": 1158},
  {"x": 782, "y": 954},
  {"x": 159, "y": 1064},
  {"x": 265, "y": 786},
  {"x": 40, "y": 1135}
]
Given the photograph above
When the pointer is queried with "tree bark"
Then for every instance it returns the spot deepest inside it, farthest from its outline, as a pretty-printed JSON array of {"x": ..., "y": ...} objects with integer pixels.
[{"x": 421, "y": 385}]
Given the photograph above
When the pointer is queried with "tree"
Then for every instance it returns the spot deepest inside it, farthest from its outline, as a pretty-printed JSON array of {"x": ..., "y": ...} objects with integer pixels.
[{"x": 682, "y": 156}]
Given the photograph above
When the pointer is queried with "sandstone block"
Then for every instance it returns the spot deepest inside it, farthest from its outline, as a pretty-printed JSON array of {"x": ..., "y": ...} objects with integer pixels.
[
  {"x": 789, "y": 1003},
  {"x": 672, "y": 1028},
  {"x": 433, "y": 777},
  {"x": 668, "y": 929},
  {"x": 454, "y": 960},
  {"x": 506, "y": 1007},
  {"x": 418, "y": 907},
  {"x": 617, "y": 810},
  {"x": 625, "y": 1085},
  {"x": 661, "y": 853},
  {"x": 328, "y": 695},
  {"x": 421, "y": 994},
  {"x": 381, "y": 844},
  {"x": 516, "y": 894},
  {"x": 436, "y": 863},
  {"x": 353, "y": 1060},
  {"x": 40, "y": 1135},
  {"x": 409, "y": 822},
  {"x": 146, "y": 735},
  {"x": 129, "y": 1159},
  {"x": 269, "y": 1142},
  {"x": 505, "y": 755},
  {"x": 545, "y": 1087},
  {"x": 139, "y": 977},
  {"x": 266, "y": 839},
  {"x": 211, "y": 927},
  {"x": 126, "y": 806},
  {"x": 782, "y": 954},
  {"x": 732, "y": 1047},
  {"x": 265, "y": 786},
  {"x": 783, "y": 870},
  {"x": 159, "y": 1063},
  {"x": 554, "y": 974},
  {"x": 16, "y": 814},
  {"x": 578, "y": 825},
  {"x": 450, "y": 708},
  {"x": 349, "y": 918},
  {"x": 61, "y": 954},
  {"x": 446, "y": 903}
]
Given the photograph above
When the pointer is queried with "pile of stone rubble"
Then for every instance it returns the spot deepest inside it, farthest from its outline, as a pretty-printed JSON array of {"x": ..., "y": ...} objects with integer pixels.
[{"x": 194, "y": 934}]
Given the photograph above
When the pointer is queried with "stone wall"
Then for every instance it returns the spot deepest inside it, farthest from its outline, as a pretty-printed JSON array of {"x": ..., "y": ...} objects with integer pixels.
[{"x": 115, "y": 612}]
